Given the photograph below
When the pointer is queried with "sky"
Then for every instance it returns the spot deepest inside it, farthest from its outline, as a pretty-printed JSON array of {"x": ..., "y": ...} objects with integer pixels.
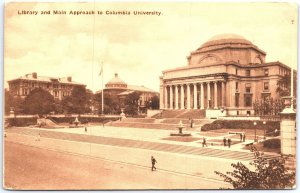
[{"x": 138, "y": 48}]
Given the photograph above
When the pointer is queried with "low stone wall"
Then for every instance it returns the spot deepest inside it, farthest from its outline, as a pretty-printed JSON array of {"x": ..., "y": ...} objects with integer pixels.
[{"x": 152, "y": 112}]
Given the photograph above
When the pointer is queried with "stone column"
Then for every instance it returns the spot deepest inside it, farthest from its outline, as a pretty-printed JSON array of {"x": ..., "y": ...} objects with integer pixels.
[
  {"x": 181, "y": 97},
  {"x": 166, "y": 97},
  {"x": 202, "y": 96},
  {"x": 171, "y": 97},
  {"x": 208, "y": 95},
  {"x": 288, "y": 131},
  {"x": 176, "y": 96},
  {"x": 195, "y": 96},
  {"x": 188, "y": 93},
  {"x": 223, "y": 94},
  {"x": 216, "y": 95}
]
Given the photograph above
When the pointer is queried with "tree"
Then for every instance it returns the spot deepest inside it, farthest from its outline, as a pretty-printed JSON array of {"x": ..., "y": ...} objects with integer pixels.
[
  {"x": 284, "y": 86},
  {"x": 268, "y": 174},
  {"x": 111, "y": 103},
  {"x": 78, "y": 102},
  {"x": 153, "y": 103},
  {"x": 39, "y": 101},
  {"x": 12, "y": 103},
  {"x": 131, "y": 103}
]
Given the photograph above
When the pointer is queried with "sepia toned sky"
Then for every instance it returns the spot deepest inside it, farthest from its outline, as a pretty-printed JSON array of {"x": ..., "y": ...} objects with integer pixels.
[{"x": 138, "y": 48}]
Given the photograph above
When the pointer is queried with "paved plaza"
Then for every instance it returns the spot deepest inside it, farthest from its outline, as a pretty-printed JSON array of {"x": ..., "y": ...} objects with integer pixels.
[{"x": 134, "y": 147}]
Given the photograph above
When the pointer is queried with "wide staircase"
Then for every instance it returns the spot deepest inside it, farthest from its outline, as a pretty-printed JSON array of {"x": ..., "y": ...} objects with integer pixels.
[
  {"x": 165, "y": 123},
  {"x": 186, "y": 114}
]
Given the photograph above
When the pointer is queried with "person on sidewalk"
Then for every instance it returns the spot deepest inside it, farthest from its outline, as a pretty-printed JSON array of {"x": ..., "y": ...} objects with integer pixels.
[
  {"x": 224, "y": 141},
  {"x": 229, "y": 142},
  {"x": 244, "y": 137},
  {"x": 204, "y": 142},
  {"x": 241, "y": 137},
  {"x": 38, "y": 138},
  {"x": 153, "y": 162},
  {"x": 192, "y": 123}
]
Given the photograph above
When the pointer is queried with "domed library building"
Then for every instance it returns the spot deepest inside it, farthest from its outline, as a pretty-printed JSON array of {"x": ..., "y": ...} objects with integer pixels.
[{"x": 223, "y": 76}]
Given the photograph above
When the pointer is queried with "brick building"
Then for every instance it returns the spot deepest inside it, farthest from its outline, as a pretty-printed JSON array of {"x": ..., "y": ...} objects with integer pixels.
[{"x": 58, "y": 87}]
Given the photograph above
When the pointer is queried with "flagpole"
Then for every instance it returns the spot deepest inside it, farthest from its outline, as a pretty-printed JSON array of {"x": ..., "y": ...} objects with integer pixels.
[{"x": 102, "y": 88}]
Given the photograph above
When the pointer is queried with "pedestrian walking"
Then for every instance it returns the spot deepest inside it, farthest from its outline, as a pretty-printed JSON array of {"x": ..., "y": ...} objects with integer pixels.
[
  {"x": 224, "y": 141},
  {"x": 85, "y": 129},
  {"x": 153, "y": 162},
  {"x": 38, "y": 138},
  {"x": 244, "y": 137},
  {"x": 229, "y": 142},
  {"x": 192, "y": 123},
  {"x": 241, "y": 137},
  {"x": 204, "y": 142}
]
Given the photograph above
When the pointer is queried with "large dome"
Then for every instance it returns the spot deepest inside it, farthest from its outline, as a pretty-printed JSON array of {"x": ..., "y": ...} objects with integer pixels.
[
  {"x": 225, "y": 39},
  {"x": 116, "y": 83}
]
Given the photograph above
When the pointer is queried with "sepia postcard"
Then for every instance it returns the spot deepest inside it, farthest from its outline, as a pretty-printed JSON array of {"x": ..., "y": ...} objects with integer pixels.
[{"x": 149, "y": 95}]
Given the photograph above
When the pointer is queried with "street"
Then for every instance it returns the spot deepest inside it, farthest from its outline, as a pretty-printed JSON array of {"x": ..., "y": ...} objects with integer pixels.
[{"x": 34, "y": 168}]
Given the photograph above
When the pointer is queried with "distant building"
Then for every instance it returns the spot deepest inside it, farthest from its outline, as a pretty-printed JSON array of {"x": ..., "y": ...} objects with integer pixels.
[
  {"x": 226, "y": 73},
  {"x": 121, "y": 89},
  {"x": 58, "y": 87}
]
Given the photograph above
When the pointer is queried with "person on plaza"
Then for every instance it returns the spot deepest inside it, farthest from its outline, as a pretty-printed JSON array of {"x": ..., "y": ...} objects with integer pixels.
[
  {"x": 224, "y": 141},
  {"x": 38, "y": 137},
  {"x": 153, "y": 162},
  {"x": 241, "y": 137},
  {"x": 192, "y": 122},
  {"x": 244, "y": 137},
  {"x": 85, "y": 129},
  {"x": 204, "y": 142},
  {"x": 229, "y": 142}
]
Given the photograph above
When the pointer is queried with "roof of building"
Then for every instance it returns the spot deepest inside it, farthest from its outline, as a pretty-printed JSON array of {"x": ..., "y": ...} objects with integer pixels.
[
  {"x": 116, "y": 80},
  {"x": 34, "y": 77},
  {"x": 227, "y": 40},
  {"x": 140, "y": 88}
]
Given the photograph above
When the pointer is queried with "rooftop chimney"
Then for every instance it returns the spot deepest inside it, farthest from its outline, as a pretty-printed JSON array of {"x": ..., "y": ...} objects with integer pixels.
[
  {"x": 34, "y": 75},
  {"x": 69, "y": 78}
]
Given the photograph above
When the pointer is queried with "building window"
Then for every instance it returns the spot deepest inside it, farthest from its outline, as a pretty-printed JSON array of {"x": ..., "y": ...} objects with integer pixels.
[
  {"x": 237, "y": 100},
  {"x": 266, "y": 72},
  {"x": 248, "y": 87},
  {"x": 236, "y": 86},
  {"x": 248, "y": 73},
  {"x": 266, "y": 86},
  {"x": 248, "y": 100}
]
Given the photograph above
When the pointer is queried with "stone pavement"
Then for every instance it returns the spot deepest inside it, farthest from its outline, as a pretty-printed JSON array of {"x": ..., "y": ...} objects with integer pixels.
[{"x": 142, "y": 139}]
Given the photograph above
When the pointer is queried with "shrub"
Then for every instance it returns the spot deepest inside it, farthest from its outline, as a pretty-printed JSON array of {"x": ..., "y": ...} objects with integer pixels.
[
  {"x": 270, "y": 126},
  {"x": 22, "y": 122},
  {"x": 272, "y": 143}
]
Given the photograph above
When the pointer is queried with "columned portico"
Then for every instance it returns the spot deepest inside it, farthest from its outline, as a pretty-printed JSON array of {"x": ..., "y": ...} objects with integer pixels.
[
  {"x": 166, "y": 97},
  {"x": 223, "y": 94},
  {"x": 195, "y": 96},
  {"x": 171, "y": 97},
  {"x": 202, "y": 96},
  {"x": 208, "y": 95},
  {"x": 181, "y": 97},
  {"x": 188, "y": 96},
  {"x": 176, "y": 97},
  {"x": 215, "y": 95}
]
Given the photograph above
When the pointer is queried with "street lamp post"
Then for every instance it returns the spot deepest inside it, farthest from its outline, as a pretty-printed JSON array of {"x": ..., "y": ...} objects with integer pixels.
[
  {"x": 264, "y": 130},
  {"x": 254, "y": 130}
]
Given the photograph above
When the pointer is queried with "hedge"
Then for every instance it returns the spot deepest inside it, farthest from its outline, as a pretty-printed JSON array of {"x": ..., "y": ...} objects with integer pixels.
[
  {"x": 22, "y": 122},
  {"x": 270, "y": 126},
  {"x": 83, "y": 120},
  {"x": 272, "y": 143}
]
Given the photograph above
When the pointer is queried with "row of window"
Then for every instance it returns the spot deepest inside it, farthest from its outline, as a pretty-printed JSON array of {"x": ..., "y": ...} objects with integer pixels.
[
  {"x": 248, "y": 86},
  {"x": 248, "y": 72},
  {"x": 45, "y": 85}
]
